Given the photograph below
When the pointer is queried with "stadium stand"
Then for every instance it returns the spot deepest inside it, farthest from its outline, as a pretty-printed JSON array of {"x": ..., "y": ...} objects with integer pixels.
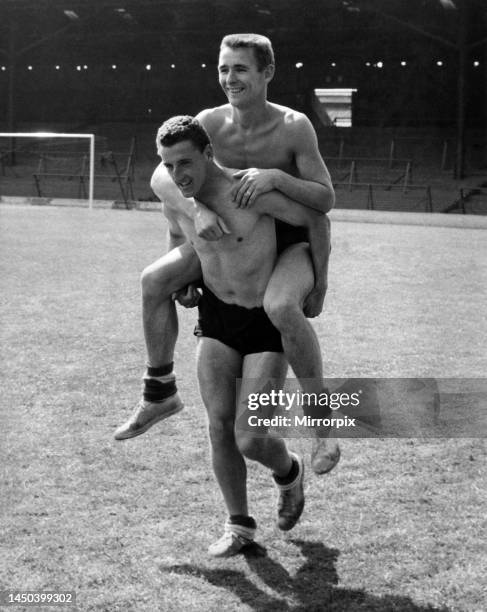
[{"x": 374, "y": 169}]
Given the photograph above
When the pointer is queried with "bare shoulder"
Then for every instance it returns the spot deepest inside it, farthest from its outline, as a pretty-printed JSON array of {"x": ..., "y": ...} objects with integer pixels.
[
  {"x": 291, "y": 123},
  {"x": 292, "y": 120},
  {"x": 163, "y": 186},
  {"x": 211, "y": 118},
  {"x": 159, "y": 179}
]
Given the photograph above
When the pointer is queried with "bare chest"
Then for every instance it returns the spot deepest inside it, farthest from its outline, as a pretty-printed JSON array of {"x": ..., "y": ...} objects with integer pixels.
[
  {"x": 248, "y": 230},
  {"x": 267, "y": 148}
]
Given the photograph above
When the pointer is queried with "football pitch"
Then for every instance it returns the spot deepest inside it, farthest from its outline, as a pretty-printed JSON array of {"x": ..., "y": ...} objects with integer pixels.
[{"x": 398, "y": 525}]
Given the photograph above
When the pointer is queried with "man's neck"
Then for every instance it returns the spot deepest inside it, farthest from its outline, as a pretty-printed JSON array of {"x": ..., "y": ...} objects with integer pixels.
[
  {"x": 251, "y": 117},
  {"x": 216, "y": 178}
]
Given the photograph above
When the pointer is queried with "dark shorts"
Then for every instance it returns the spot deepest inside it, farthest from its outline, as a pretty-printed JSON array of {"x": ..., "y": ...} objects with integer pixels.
[
  {"x": 288, "y": 234},
  {"x": 246, "y": 330}
]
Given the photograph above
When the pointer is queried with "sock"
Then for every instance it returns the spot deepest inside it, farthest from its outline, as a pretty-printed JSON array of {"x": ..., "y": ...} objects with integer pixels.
[
  {"x": 291, "y": 476},
  {"x": 159, "y": 383},
  {"x": 162, "y": 370},
  {"x": 242, "y": 519}
]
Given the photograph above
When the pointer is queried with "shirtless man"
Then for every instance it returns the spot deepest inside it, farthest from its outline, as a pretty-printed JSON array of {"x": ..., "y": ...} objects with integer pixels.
[
  {"x": 236, "y": 338},
  {"x": 278, "y": 149}
]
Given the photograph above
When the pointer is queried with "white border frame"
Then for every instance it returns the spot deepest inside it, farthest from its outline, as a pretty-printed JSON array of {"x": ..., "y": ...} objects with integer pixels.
[{"x": 63, "y": 135}]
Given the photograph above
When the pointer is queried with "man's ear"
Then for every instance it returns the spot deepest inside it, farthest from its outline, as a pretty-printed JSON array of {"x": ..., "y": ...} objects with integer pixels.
[
  {"x": 208, "y": 151},
  {"x": 269, "y": 72}
]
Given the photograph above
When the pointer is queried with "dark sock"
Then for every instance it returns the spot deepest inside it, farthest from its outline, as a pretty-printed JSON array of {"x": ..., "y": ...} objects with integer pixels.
[
  {"x": 156, "y": 389},
  {"x": 293, "y": 472},
  {"x": 242, "y": 519},
  {"x": 162, "y": 370}
]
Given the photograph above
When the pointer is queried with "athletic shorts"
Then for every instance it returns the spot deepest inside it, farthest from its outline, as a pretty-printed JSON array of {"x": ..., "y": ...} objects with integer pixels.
[
  {"x": 246, "y": 330},
  {"x": 287, "y": 235}
]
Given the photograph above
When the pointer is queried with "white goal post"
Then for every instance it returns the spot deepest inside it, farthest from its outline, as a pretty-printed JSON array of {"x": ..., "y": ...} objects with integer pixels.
[{"x": 59, "y": 135}]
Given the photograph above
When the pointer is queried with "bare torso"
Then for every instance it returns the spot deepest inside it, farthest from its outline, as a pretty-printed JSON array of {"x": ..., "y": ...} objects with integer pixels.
[
  {"x": 237, "y": 267},
  {"x": 269, "y": 145}
]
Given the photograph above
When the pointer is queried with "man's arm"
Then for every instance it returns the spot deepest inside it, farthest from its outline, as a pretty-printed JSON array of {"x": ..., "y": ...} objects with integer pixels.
[
  {"x": 176, "y": 236},
  {"x": 165, "y": 189},
  {"x": 187, "y": 296},
  {"x": 207, "y": 224},
  {"x": 320, "y": 247},
  {"x": 277, "y": 205},
  {"x": 313, "y": 189}
]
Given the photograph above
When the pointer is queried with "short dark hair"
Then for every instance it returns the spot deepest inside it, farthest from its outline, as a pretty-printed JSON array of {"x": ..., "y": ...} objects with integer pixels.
[
  {"x": 179, "y": 128},
  {"x": 262, "y": 46}
]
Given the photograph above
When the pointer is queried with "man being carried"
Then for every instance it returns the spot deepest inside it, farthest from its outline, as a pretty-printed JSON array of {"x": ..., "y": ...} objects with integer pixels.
[
  {"x": 279, "y": 149},
  {"x": 236, "y": 337}
]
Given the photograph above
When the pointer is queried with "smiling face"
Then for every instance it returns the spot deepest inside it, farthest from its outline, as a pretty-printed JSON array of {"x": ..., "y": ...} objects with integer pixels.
[
  {"x": 240, "y": 77},
  {"x": 187, "y": 166}
]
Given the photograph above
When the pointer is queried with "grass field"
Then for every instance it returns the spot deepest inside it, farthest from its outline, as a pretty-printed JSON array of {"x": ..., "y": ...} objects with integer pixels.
[{"x": 399, "y": 525}]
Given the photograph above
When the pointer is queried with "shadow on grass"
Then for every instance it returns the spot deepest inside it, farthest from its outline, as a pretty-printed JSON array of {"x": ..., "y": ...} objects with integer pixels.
[{"x": 312, "y": 589}]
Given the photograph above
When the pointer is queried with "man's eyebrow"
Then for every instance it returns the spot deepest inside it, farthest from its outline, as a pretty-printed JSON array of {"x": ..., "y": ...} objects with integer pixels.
[
  {"x": 181, "y": 160},
  {"x": 234, "y": 65}
]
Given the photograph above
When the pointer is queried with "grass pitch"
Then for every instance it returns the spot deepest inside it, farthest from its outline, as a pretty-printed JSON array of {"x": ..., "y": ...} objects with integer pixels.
[{"x": 399, "y": 525}]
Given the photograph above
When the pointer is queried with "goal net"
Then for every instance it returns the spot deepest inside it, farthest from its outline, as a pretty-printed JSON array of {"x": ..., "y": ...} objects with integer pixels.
[{"x": 47, "y": 164}]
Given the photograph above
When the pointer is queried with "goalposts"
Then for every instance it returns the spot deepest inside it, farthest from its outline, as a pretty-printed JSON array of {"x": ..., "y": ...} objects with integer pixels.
[{"x": 91, "y": 138}]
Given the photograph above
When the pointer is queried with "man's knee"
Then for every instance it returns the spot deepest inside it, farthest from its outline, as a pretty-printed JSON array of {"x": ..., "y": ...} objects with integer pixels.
[
  {"x": 156, "y": 284},
  {"x": 220, "y": 431},
  {"x": 282, "y": 311},
  {"x": 249, "y": 445}
]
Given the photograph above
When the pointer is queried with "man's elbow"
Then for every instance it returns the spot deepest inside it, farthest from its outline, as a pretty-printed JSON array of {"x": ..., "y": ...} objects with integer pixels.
[
  {"x": 328, "y": 201},
  {"x": 325, "y": 201}
]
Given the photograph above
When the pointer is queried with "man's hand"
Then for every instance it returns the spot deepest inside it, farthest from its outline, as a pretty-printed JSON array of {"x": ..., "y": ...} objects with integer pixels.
[
  {"x": 313, "y": 304},
  {"x": 187, "y": 297},
  {"x": 208, "y": 225},
  {"x": 253, "y": 183}
]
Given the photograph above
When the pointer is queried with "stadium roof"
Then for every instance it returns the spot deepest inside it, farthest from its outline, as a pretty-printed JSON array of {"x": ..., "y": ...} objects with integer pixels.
[
  {"x": 145, "y": 27},
  {"x": 313, "y": 31}
]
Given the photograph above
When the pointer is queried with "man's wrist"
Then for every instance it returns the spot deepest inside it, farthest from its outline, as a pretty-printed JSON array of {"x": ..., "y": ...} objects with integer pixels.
[
  {"x": 278, "y": 177},
  {"x": 320, "y": 286}
]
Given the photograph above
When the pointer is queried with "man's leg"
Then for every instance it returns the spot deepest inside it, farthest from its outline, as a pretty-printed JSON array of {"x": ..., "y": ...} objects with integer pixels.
[
  {"x": 160, "y": 280},
  {"x": 218, "y": 368},
  {"x": 291, "y": 281},
  {"x": 258, "y": 445}
]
